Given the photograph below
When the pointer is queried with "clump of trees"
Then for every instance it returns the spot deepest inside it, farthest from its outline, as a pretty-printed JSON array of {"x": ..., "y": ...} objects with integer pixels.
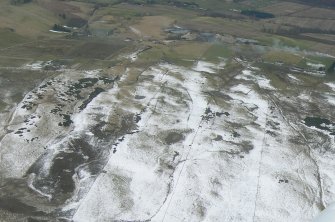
[
  {"x": 76, "y": 22},
  {"x": 257, "y": 14},
  {"x": 182, "y": 4},
  {"x": 331, "y": 68},
  {"x": 62, "y": 15}
]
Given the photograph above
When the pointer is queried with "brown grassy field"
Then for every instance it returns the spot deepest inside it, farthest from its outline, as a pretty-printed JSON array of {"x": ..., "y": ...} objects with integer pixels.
[
  {"x": 96, "y": 49},
  {"x": 153, "y": 26},
  {"x": 110, "y": 25},
  {"x": 327, "y": 37},
  {"x": 285, "y": 8},
  {"x": 318, "y": 13},
  {"x": 29, "y": 20},
  {"x": 302, "y": 16},
  {"x": 307, "y": 23}
]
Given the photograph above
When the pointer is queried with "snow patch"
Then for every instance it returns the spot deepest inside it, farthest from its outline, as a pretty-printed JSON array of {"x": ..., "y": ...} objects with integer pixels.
[
  {"x": 293, "y": 78},
  {"x": 315, "y": 66},
  {"x": 331, "y": 85},
  {"x": 134, "y": 30},
  {"x": 54, "y": 31},
  {"x": 202, "y": 66}
]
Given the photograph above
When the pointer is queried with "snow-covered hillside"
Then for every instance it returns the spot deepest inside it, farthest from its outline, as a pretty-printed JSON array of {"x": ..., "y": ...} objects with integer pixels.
[{"x": 169, "y": 143}]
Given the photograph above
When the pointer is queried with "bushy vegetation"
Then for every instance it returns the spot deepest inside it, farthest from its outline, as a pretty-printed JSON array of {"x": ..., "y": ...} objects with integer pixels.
[
  {"x": 76, "y": 22},
  {"x": 331, "y": 68},
  {"x": 19, "y": 2},
  {"x": 257, "y": 14}
]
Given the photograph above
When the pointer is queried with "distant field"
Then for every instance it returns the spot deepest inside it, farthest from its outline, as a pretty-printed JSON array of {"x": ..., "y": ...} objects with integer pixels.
[
  {"x": 96, "y": 49},
  {"x": 14, "y": 84},
  {"x": 282, "y": 56},
  {"x": 10, "y": 38},
  {"x": 47, "y": 49},
  {"x": 222, "y": 26},
  {"x": 318, "y": 13},
  {"x": 330, "y": 38},
  {"x": 302, "y": 17},
  {"x": 30, "y": 20},
  {"x": 110, "y": 24},
  {"x": 153, "y": 26},
  {"x": 285, "y": 8},
  {"x": 308, "y": 23}
]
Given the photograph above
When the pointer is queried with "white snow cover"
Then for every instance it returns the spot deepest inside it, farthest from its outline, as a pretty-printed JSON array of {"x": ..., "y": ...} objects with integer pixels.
[
  {"x": 241, "y": 88},
  {"x": 40, "y": 126},
  {"x": 35, "y": 66},
  {"x": 135, "y": 163},
  {"x": 251, "y": 74},
  {"x": 54, "y": 31},
  {"x": 233, "y": 158},
  {"x": 134, "y": 30},
  {"x": 315, "y": 65},
  {"x": 132, "y": 56},
  {"x": 331, "y": 85},
  {"x": 328, "y": 215},
  {"x": 253, "y": 177},
  {"x": 293, "y": 77},
  {"x": 330, "y": 99},
  {"x": 202, "y": 66}
]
